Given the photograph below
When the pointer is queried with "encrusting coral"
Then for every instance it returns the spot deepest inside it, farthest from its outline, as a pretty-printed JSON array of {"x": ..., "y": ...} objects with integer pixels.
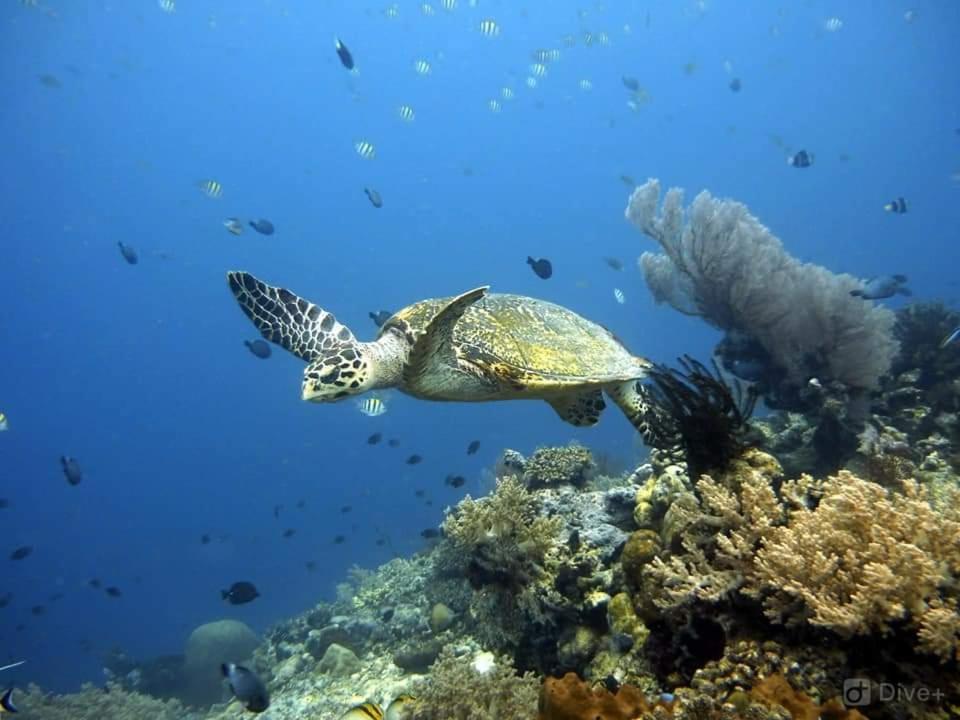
[{"x": 720, "y": 263}]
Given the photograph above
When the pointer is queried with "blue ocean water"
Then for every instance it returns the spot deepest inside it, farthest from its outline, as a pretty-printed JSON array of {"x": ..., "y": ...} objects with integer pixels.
[{"x": 113, "y": 112}]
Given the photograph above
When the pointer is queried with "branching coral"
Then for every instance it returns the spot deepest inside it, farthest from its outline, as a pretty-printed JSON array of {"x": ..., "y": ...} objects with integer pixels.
[
  {"x": 502, "y": 537},
  {"x": 94, "y": 704},
  {"x": 721, "y": 264},
  {"x": 696, "y": 410},
  {"x": 476, "y": 688},
  {"x": 864, "y": 559}
]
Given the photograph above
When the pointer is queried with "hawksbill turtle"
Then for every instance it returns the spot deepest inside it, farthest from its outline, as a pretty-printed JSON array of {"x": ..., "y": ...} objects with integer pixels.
[{"x": 478, "y": 346}]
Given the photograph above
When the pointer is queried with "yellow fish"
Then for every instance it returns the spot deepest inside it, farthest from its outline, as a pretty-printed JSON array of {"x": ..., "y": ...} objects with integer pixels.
[
  {"x": 6, "y": 703},
  {"x": 211, "y": 188},
  {"x": 364, "y": 711},
  {"x": 401, "y": 708}
]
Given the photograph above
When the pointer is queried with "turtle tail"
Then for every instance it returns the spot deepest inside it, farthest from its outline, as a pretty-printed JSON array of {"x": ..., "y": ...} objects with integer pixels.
[{"x": 338, "y": 366}]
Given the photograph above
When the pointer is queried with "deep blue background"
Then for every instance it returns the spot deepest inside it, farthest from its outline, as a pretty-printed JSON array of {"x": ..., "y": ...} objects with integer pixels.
[{"x": 140, "y": 372}]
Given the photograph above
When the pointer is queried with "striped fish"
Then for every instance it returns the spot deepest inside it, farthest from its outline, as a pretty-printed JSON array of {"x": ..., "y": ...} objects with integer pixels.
[
  {"x": 494, "y": 105},
  {"x": 586, "y": 85},
  {"x": 406, "y": 113},
  {"x": 427, "y": 9},
  {"x": 507, "y": 93},
  {"x": 364, "y": 711},
  {"x": 371, "y": 406},
  {"x": 448, "y": 5},
  {"x": 168, "y": 6},
  {"x": 422, "y": 67},
  {"x": 538, "y": 69},
  {"x": 489, "y": 28},
  {"x": 619, "y": 296},
  {"x": 4, "y": 425},
  {"x": 211, "y": 188},
  {"x": 365, "y": 149},
  {"x": 401, "y": 708}
]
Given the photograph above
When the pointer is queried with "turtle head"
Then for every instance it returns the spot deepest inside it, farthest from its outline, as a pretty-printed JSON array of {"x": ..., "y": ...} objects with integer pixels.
[{"x": 338, "y": 373}]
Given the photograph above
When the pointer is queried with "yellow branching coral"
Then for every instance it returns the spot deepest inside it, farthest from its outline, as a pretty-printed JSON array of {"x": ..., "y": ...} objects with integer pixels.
[{"x": 863, "y": 559}]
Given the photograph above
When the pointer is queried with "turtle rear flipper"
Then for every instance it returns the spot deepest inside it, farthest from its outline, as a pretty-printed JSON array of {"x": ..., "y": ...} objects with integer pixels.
[
  {"x": 434, "y": 347},
  {"x": 581, "y": 409},
  {"x": 287, "y": 320}
]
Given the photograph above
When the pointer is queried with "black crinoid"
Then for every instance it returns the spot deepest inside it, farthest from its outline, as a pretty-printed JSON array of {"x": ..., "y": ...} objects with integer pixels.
[{"x": 695, "y": 410}]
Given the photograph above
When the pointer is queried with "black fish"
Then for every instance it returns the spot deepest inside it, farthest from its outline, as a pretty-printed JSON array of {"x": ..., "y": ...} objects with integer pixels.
[
  {"x": 289, "y": 533},
  {"x": 374, "y": 197},
  {"x": 346, "y": 59},
  {"x": 56, "y": 596},
  {"x": 541, "y": 267},
  {"x": 204, "y": 539},
  {"x": 260, "y": 348},
  {"x": 6, "y": 702},
  {"x": 310, "y": 565},
  {"x": 380, "y": 317},
  {"x": 630, "y": 83},
  {"x": 94, "y": 583},
  {"x": 38, "y": 610},
  {"x": 393, "y": 442},
  {"x": 473, "y": 447},
  {"x": 129, "y": 254},
  {"x": 113, "y": 591},
  {"x": 455, "y": 481},
  {"x": 628, "y": 180},
  {"x": 240, "y": 592},
  {"x": 414, "y": 460},
  {"x": 262, "y": 226},
  {"x": 430, "y": 534},
  {"x": 346, "y": 508},
  {"x": 301, "y": 504},
  {"x": 4, "y": 503},
  {"x": 380, "y": 542},
  {"x": 276, "y": 511},
  {"x": 879, "y": 288},
  {"x": 246, "y": 687},
  {"x": 614, "y": 263},
  {"x": 419, "y": 493},
  {"x": 374, "y": 439},
  {"x": 339, "y": 539},
  {"x": 21, "y": 552},
  {"x": 735, "y": 85},
  {"x": 71, "y": 469},
  {"x": 5, "y": 599},
  {"x": 802, "y": 159}
]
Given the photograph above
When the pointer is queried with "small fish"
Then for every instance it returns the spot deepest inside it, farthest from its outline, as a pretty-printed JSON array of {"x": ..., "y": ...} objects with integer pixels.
[
  {"x": 129, "y": 254},
  {"x": 950, "y": 338},
  {"x": 260, "y": 348},
  {"x": 619, "y": 296},
  {"x": 422, "y": 67},
  {"x": 365, "y": 149},
  {"x": 630, "y": 83},
  {"x": 380, "y": 317},
  {"x": 473, "y": 447},
  {"x": 374, "y": 197},
  {"x": 419, "y": 493},
  {"x": 427, "y": 9},
  {"x": 5, "y": 599},
  {"x": 204, "y": 539},
  {"x": 909, "y": 16},
  {"x": 886, "y": 286},
  {"x": 507, "y": 93},
  {"x": 346, "y": 59},
  {"x": 4, "y": 423},
  {"x": 71, "y": 469},
  {"x": 168, "y": 6},
  {"x": 346, "y": 508},
  {"x": 113, "y": 591},
  {"x": 94, "y": 583},
  {"x": 489, "y": 28},
  {"x": 372, "y": 406},
  {"x": 246, "y": 687},
  {"x": 455, "y": 481},
  {"x": 537, "y": 70},
  {"x": 364, "y": 711},
  {"x": 301, "y": 504},
  {"x": 406, "y": 113},
  {"x": 542, "y": 267},
  {"x": 11, "y": 666},
  {"x": 4, "y": 503},
  {"x": 401, "y": 708},
  {"x": 414, "y": 460},
  {"x": 494, "y": 105},
  {"x": 310, "y": 565},
  {"x": 628, "y": 181},
  {"x": 393, "y": 442},
  {"x": 289, "y": 533},
  {"x": 21, "y": 552},
  {"x": 276, "y": 511},
  {"x": 211, "y": 188},
  {"x": 832, "y": 24},
  {"x": 374, "y": 439},
  {"x": 898, "y": 206},
  {"x": 430, "y": 534},
  {"x": 233, "y": 226},
  {"x": 614, "y": 263},
  {"x": 735, "y": 85},
  {"x": 801, "y": 159},
  {"x": 240, "y": 592},
  {"x": 339, "y": 539},
  {"x": 50, "y": 81},
  {"x": 586, "y": 85},
  {"x": 262, "y": 226},
  {"x": 38, "y": 610}
]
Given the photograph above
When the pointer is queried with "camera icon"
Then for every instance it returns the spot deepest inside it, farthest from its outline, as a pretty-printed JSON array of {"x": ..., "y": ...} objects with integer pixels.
[{"x": 856, "y": 692}]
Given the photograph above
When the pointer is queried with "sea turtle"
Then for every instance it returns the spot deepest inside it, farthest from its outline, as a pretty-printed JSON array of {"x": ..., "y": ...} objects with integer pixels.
[{"x": 477, "y": 346}]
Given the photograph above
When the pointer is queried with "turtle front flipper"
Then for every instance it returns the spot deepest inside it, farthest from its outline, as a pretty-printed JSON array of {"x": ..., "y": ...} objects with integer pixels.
[
  {"x": 434, "y": 347},
  {"x": 631, "y": 398},
  {"x": 581, "y": 409},
  {"x": 289, "y": 321}
]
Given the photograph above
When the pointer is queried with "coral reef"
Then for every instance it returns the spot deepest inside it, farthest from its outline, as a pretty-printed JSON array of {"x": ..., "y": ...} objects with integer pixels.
[
  {"x": 721, "y": 264},
  {"x": 551, "y": 467},
  {"x": 111, "y": 702}
]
